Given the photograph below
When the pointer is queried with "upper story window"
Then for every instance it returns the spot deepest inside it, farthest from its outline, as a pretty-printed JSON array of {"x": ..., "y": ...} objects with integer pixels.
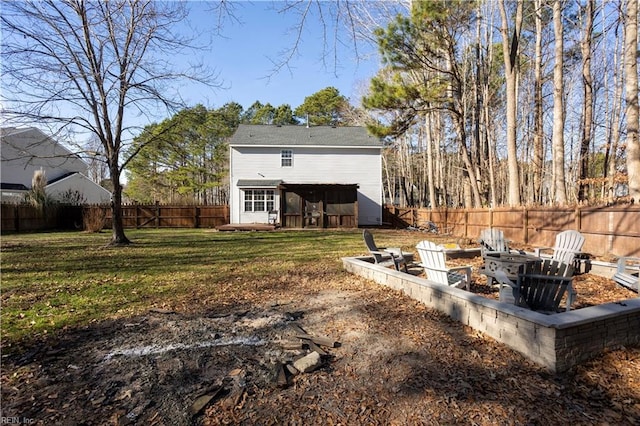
[{"x": 286, "y": 158}]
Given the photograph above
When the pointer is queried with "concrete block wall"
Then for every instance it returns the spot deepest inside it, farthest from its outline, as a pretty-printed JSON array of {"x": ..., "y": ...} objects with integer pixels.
[{"x": 556, "y": 342}]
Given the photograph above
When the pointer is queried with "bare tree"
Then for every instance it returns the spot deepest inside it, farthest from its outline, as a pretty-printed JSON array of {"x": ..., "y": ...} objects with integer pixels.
[
  {"x": 613, "y": 113},
  {"x": 631, "y": 97},
  {"x": 344, "y": 24},
  {"x": 510, "y": 48},
  {"x": 92, "y": 66},
  {"x": 587, "y": 106},
  {"x": 538, "y": 131},
  {"x": 558, "y": 107}
]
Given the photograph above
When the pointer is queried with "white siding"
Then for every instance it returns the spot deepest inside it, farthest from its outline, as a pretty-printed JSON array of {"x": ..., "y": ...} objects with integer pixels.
[
  {"x": 25, "y": 151},
  {"x": 90, "y": 192},
  {"x": 312, "y": 165}
]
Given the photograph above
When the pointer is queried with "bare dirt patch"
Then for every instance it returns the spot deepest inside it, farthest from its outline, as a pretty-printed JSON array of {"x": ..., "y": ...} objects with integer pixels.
[{"x": 397, "y": 363}]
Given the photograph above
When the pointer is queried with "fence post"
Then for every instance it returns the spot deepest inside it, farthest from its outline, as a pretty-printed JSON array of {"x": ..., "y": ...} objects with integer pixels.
[
  {"x": 157, "y": 213},
  {"x": 466, "y": 223},
  {"x": 525, "y": 225},
  {"x": 16, "y": 219},
  {"x": 611, "y": 231}
]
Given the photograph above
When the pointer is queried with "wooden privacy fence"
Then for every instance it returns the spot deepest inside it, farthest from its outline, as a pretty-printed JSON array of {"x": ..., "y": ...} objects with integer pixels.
[
  {"x": 26, "y": 218},
  {"x": 165, "y": 216},
  {"x": 607, "y": 230},
  {"x": 23, "y": 217}
]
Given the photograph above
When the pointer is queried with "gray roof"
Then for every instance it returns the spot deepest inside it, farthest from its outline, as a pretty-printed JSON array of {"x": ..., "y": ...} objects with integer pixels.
[
  {"x": 266, "y": 135},
  {"x": 258, "y": 183}
]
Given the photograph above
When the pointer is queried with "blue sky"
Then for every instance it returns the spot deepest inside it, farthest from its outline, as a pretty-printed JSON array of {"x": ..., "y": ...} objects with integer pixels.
[{"x": 244, "y": 55}]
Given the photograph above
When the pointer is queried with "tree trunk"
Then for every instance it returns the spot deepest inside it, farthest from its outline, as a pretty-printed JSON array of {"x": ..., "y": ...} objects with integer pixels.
[
  {"x": 118, "y": 236},
  {"x": 430, "y": 175},
  {"x": 558, "y": 108},
  {"x": 631, "y": 98},
  {"x": 613, "y": 124},
  {"x": 587, "y": 107},
  {"x": 538, "y": 133},
  {"x": 510, "y": 64}
]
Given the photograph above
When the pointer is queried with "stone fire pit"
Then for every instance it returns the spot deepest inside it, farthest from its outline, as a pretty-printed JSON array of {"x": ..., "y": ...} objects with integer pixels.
[{"x": 557, "y": 341}]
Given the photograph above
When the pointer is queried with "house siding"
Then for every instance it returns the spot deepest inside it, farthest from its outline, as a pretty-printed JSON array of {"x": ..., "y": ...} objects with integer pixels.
[
  {"x": 26, "y": 150},
  {"x": 89, "y": 192},
  {"x": 311, "y": 165}
]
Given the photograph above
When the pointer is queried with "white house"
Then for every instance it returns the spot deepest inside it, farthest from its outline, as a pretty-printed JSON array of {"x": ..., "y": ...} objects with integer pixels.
[
  {"x": 26, "y": 150},
  {"x": 300, "y": 177}
]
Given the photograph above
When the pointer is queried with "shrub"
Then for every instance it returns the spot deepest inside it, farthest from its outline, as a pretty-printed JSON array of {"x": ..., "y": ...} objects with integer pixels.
[
  {"x": 94, "y": 218},
  {"x": 37, "y": 197}
]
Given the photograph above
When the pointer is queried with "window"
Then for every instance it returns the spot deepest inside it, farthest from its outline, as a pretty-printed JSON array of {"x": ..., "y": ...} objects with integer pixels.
[
  {"x": 259, "y": 200},
  {"x": 286, "y": 158}
]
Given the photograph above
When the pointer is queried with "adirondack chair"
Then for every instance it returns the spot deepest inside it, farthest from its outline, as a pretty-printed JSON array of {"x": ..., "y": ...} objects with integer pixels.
[
  {"x": 568, "y": 245},
  {"x": 432, "y": 257},
  {"x": 492, "y": 240},
  {"x": 386, "y": 256},
  {"x": 628, "y": 273},
  {"x": 540, "y": 287}
]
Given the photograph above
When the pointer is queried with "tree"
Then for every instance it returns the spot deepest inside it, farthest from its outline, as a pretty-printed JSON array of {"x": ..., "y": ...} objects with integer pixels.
[
  {"x": 510, "y": 47},
  {"x": 538, "y": 131},
  {"x": 424, "y": 74},
  {"x": 323, "y": 108},
  {"x": 631, "y": 97},
  {"x": 259, "y": 113},
  {"x": 90, "y": 65},
  {"x": 283, "y": 115},
  {"x": 264, "y": 115},
  {"x": 558, "y": 107},
  {"x": 184, "y": 158},
  {"x": 587, "y": 108}
]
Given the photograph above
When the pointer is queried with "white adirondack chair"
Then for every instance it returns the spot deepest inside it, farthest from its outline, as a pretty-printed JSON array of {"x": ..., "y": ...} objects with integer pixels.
[
  {"x": 432, "y": 257},
  {"x": 628, "y": 273},
  {"x": 492, "y": 240},
  {"x": 568, "y": 245}
]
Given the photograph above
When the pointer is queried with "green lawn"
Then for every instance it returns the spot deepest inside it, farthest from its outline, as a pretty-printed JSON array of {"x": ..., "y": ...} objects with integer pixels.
[{"x": 55, "y": 280}]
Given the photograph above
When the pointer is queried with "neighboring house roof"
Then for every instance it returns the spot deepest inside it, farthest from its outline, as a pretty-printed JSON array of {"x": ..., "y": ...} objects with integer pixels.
[
  {"x": 25, "y": 150},
  {"x": 270, "y": 135},
  {"x": 64, "y": 176},
  {"x": 13, "y": 186}
]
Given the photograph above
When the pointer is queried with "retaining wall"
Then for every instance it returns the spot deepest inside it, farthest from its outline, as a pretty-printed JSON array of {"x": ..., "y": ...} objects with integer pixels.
[{"x": 557, "y": 342}]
